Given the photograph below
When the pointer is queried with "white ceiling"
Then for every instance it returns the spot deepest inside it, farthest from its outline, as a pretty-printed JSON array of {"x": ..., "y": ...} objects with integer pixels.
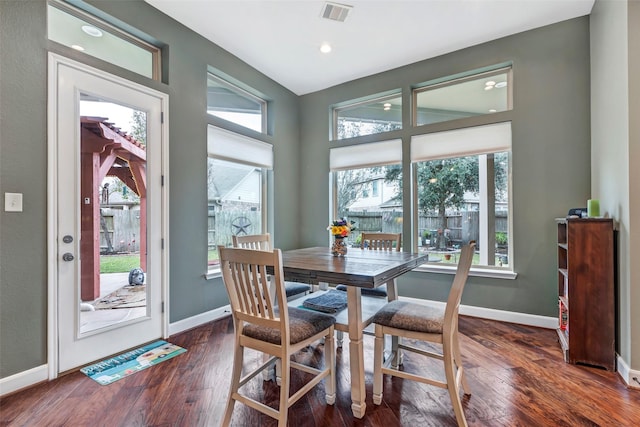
[{"x": 282, "y": 38}]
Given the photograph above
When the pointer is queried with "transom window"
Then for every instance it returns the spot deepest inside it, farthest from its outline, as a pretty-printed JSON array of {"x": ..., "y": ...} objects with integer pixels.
[
  {"x": 475, "y": 95},
  {"x": 231, "y": 103},
  {"x": 80, "y": 31},
  {"x": 372, "y": 116}
]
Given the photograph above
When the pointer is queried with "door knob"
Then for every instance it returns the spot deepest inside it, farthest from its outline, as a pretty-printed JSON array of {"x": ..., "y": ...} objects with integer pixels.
[{"x": 67, "y": 257}]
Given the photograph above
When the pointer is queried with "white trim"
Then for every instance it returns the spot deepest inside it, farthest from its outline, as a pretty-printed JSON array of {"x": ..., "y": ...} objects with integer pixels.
[
  {"x": 493, "y": 314},
  {"x": 629, "y": 376},
  {"x": 475, "y": 271},
  {"x": 199, "y": 319},
  {"x": 23, "y": 379}
]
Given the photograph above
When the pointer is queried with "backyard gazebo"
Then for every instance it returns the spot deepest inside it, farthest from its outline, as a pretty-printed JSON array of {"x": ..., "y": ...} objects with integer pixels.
[{"x": 106, "y": 151}]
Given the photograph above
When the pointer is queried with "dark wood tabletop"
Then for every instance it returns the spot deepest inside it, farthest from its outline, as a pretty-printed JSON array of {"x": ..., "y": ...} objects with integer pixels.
[{"x": 360, "y": 267}]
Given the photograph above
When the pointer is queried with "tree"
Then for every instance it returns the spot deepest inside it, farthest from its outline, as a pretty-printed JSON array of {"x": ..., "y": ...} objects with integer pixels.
[
  {"x": 139, "y": 126},
  {"x": 441, "y": 186}
]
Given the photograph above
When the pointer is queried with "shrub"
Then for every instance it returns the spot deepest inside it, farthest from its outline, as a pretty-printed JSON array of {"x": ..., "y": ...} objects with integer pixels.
[{"x": 501, "y": 238}]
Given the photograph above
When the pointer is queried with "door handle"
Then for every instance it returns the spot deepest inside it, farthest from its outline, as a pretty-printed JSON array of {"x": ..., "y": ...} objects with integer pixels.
[{"x": 67, "y": 257}]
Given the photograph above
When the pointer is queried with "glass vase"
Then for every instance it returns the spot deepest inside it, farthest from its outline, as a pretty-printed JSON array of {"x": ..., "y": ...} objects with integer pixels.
[{"x": 339, "y": 246}]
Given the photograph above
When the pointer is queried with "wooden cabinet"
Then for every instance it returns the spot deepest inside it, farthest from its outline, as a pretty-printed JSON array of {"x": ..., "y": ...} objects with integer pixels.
[{"x": 586, "y": 291}]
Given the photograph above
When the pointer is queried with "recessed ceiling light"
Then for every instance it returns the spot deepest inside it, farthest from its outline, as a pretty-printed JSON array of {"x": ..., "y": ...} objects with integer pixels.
[
  {"x": 325, "y": 48},
  {"x": 92, "y": 31},
  {"x": 493, "y": 110},
  {"x": 488, "y": 87},
  {"x": 77, "y": 47},
  {"x": 490, "y": 83},
  {"x": 501, "y": 84}
]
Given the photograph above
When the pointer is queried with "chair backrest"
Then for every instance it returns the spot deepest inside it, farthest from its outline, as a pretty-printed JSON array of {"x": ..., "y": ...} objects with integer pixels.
[
  {"x": 260, "y": 242},
  {"x": 381, "y": 241},
  {"x": 455, "y": 294},
  {"x": 249, "y": 287}
]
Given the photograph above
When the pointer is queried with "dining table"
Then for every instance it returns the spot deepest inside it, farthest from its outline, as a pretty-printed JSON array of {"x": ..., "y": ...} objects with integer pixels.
[{"x": 358, "y": 269}]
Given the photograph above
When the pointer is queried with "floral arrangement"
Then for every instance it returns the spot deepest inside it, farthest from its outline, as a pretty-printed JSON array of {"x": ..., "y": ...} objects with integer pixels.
[{"x": 341, "y": 227}]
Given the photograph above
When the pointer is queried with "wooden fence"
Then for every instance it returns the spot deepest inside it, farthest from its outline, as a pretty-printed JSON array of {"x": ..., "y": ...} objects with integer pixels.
[{"x": 462, "y": 226}]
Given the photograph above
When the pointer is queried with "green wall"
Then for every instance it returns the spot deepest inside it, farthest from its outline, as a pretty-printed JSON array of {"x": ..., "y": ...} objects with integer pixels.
[
  {"x": 23, "y": 160},
  {"x": 550, "y": 155},
  {"x": 551, "y": 161}
]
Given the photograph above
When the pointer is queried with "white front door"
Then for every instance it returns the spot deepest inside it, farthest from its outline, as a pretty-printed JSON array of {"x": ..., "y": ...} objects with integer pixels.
[{"x": 107, "y": 211}]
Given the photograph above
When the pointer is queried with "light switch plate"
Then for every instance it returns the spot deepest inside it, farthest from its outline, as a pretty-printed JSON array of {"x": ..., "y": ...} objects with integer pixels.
[{"x": 13, "y": 202}]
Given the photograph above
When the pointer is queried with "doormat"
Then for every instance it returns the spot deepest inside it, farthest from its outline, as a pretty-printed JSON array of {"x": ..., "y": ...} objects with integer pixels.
[
  {"x": 118, "y": 367},
  {"x": 129, "y": 296}
]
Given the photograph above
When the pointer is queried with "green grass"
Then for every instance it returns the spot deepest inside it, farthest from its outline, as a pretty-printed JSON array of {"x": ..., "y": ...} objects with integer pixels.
[{"x": 118, "y": 263}]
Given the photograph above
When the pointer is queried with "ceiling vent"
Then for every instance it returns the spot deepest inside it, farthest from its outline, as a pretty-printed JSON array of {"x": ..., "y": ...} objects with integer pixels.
[{"x": 335, "y": 11}]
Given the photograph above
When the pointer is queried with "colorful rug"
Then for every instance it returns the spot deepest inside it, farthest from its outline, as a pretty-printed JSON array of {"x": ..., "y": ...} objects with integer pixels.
[
  {"x": 133, "y": 361},
  {"x": 129, "y": 296}
]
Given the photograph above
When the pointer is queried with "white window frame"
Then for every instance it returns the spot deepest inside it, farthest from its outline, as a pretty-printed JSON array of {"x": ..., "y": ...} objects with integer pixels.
[
  {"x": 232, "y": 147},
  {"x": 477, "y": 140},
  {"x": 359, "y": 156}
]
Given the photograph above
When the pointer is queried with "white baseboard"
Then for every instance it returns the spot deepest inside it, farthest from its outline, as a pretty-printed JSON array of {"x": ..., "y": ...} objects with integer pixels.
[
  {"x": 499, "y": 315},
  {"x": 200, "y": 319},
  {"x": 23, "y": 379},
  {"x": 629, "y": 376}
]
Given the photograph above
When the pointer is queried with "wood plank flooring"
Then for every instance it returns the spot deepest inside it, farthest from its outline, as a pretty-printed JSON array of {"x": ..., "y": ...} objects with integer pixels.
[{"x": 516, "y": 374}]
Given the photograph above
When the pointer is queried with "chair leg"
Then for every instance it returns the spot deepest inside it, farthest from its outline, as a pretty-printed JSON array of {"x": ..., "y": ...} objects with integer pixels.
[
  {"x": 238, "y": 360},
  {"x": 452, "y": 384},
  {"x": 458, "y": 362},
  {"x": 330, "y": 363},
  {"x": 378, "y": 355},
  {"x": 284, "y": 390}
]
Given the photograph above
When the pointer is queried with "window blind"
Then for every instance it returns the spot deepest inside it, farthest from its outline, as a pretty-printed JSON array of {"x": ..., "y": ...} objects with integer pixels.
[
  {"x": 225, "y": 145},
  {"x": 476, "y": 140},
  {"x": 366, "y": 155}
]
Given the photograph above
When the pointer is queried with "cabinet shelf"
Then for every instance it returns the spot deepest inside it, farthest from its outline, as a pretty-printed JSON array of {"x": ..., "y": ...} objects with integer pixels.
[{"x": 586, "y": 291}]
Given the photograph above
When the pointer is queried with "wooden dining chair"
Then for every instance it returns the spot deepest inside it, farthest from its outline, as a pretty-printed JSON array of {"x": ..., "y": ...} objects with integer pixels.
[
  {"x": 262, "y": 242},
  {"x": 271, "y": 328},
  {"x": 424, "y": 323},
  {"x": 378, "y": 242}
]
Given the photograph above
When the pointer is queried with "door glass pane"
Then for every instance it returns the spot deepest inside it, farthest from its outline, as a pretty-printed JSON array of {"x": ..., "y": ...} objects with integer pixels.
[{"x": 113, "y": 262}]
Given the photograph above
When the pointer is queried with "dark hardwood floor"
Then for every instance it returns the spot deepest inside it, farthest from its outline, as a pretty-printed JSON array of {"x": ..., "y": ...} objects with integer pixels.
[{"x": 516, "y": 374}]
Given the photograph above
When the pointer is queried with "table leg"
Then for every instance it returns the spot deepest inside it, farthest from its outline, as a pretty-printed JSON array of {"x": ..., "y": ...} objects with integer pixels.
[{"x": 356, "y": 351}]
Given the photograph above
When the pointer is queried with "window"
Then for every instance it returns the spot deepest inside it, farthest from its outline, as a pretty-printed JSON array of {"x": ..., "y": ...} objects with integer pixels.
[
  {"x": 479, "y": 94},
  {"x": 462, "y": 182},
  {"x": 359, "y": 168},
  {"x": 382, "y": 114},
  {"x": 236, "y": 105},
  {"x": 236, "y": 188},
  {"x": 83, "y": 32}
]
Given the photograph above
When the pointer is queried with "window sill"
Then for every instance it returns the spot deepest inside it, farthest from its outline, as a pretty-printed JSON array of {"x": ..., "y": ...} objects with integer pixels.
[
  {"x": 475, "y": 271},
  {"x": 213, "y": 274}
]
